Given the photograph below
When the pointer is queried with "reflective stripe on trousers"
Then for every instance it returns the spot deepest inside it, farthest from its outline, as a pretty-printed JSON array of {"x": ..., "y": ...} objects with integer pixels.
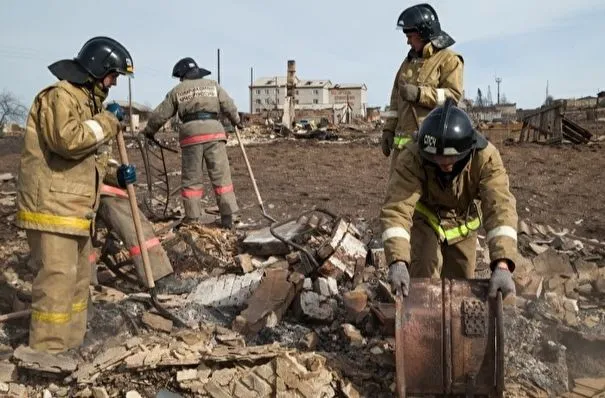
[{"x": 459, "y": 231}]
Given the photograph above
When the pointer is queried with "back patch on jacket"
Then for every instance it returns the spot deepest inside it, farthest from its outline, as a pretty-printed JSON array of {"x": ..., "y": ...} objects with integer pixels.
[{"x": 196, "y": 92}]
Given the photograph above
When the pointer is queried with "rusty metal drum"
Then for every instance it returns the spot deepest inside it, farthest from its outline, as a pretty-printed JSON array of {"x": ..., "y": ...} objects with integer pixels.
[{"x": 453, "y": 339}]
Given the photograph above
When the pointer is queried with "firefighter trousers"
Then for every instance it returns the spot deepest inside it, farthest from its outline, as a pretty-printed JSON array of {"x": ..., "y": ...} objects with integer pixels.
[
  {"x": 59, "y": 291},
  {"x": 214, "y": 155},
  {"x": 116, "y": 215},
  {"x": 432, "y": 258}
]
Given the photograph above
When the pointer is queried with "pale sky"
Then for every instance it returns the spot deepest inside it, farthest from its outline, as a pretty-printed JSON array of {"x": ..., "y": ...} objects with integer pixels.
[{"x": 525, "y": 43}]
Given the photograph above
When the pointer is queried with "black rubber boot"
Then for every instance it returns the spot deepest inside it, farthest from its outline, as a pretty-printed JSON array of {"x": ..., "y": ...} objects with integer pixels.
[{"x": 227, "y": 221}]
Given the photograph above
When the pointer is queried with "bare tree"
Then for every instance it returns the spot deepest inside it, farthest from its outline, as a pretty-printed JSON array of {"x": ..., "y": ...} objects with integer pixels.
[{"x": 11, "y": 110}]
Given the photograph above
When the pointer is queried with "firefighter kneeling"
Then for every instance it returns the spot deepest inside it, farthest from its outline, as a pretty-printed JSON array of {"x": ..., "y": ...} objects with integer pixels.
[{"x": 443, "y": 188}]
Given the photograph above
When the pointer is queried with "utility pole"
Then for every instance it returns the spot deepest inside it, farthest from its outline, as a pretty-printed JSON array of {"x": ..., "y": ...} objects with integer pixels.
[
  {"x": 251, "y": 84},
  {"x": 498, "y": 81},
  {"x": 218, "y": 65}
]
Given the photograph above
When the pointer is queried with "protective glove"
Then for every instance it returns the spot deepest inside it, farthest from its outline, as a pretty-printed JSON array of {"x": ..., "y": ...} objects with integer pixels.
[
  {"x": 501, "y": 279},
  {"x": 116, "y": 109},
  {"x": 409, "y": 92},
  {"x": 399, "y": 277},
  {"x": 127, "y": 174},
  {"x": 387, "y": 142}
]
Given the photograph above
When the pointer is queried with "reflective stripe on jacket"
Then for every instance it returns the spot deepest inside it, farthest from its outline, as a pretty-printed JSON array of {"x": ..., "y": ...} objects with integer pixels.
[{"x": 59, "y": 170}]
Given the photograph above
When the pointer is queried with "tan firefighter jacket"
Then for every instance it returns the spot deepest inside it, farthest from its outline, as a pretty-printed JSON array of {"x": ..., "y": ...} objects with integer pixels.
[
  {"x": 191, "y": 97},
  {"x": 60, "y": 171},
  {"x": 451, "y": 211},
  {"x": 438, "y": 74}
]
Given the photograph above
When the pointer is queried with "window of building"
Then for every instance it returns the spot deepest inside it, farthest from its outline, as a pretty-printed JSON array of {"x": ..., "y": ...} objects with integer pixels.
[
  {"x": 258, "y": 101},
  {"x": 257, "y": 110},
  {"x": 316, "y": 92},
  {"x": 266, "y": 91},
  {"x": 316, "y": 101},
  {"x": 296, "y": 92},
  {"x": 267, "y": 101},
  {"x": 257, "y": 91}
]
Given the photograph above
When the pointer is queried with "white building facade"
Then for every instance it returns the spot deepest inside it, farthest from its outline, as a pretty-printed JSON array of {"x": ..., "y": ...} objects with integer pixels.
[{"x": 268, "y": 93}]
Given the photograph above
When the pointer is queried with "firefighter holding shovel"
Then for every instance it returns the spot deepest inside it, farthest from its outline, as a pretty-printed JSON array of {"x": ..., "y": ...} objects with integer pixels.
[{"x": 59, "y": 184}]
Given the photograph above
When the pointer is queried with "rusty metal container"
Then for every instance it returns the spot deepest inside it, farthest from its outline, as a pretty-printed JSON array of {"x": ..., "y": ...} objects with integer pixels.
[{"x": 453, "y": 340}]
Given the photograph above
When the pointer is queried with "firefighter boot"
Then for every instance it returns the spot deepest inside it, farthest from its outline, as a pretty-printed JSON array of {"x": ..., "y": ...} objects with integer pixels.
[{"x": 227, "y": 221}]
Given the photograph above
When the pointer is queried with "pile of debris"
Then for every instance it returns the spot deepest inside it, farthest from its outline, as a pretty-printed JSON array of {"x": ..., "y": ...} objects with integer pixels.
[
  {"x": 557, "y": 332},
  {"x": 301, "y": 310}
]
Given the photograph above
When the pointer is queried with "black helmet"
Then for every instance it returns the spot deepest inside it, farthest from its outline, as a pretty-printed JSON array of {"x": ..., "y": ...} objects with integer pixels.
[
  {"x": 98, "y": 57},
  {"x": 448, "y": 131},
  {"x": 422, "y": 18},
  {"x": 187, "y": 68}
]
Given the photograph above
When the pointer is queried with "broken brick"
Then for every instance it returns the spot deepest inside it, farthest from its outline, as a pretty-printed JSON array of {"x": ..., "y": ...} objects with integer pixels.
[
  {"x": 353, "y": 335},
  {"x": 355, "y": 303},
  {"x": 244, "y": 261},
  {"x": 157, "y": 322},
  {"x": 313, "y": 306},
  {"x": 227, "y": 290},
  {"x": 345, "y": 257},
  {"x": 269, "y": 302}
]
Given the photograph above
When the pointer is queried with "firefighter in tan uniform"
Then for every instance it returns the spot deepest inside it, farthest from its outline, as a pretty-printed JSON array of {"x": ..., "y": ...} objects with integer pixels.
[
  {"x": 443, "y": 188},
  {"x": 199, "y": 103},
  {"x": 429, "y": 75},
  {"x": 58, "y": 195}
]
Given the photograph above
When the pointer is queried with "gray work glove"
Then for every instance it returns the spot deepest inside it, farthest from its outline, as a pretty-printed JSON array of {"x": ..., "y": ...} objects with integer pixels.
[
  {"x": 387, "y": 142},
  {"x": 409, "y": 92},
  {"x": 501, "y": 279},
  {"x": 399, "y": 277}
]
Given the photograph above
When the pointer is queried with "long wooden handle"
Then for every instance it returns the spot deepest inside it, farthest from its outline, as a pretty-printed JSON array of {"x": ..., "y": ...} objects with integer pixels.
[
  {"x": 15, "y": 315},
  {"x": 132, "y": 198},
  {"x": 256, "y": 191}
]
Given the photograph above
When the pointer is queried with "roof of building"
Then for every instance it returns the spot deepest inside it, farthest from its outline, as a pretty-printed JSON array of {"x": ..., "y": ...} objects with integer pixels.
[
  {"x": 280, "y": 81},
  {"x": 350, "y": 86},
  {"x": 135, "y": 106}
]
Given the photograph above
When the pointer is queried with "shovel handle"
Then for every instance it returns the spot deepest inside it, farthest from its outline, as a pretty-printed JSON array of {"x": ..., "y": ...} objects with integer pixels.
[
  {"x": 241, "y": 145},
  {"x": 132, "y": 198},
  {"x": 15, "y": 315}
]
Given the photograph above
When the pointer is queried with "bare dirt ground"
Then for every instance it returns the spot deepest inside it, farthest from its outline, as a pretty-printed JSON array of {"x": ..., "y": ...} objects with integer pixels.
[
  {"x": 554, "y": 185},
  {"x": 561, "y": 186}
]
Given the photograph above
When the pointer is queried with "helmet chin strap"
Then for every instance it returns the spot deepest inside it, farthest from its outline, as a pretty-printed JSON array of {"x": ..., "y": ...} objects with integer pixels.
[{"x": 446, "y": 178}]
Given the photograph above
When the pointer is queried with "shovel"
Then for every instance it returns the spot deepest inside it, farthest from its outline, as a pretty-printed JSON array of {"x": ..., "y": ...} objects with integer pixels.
[
  {"x": 132, "y": 198},
  {"x": 258, "y": 198}
]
